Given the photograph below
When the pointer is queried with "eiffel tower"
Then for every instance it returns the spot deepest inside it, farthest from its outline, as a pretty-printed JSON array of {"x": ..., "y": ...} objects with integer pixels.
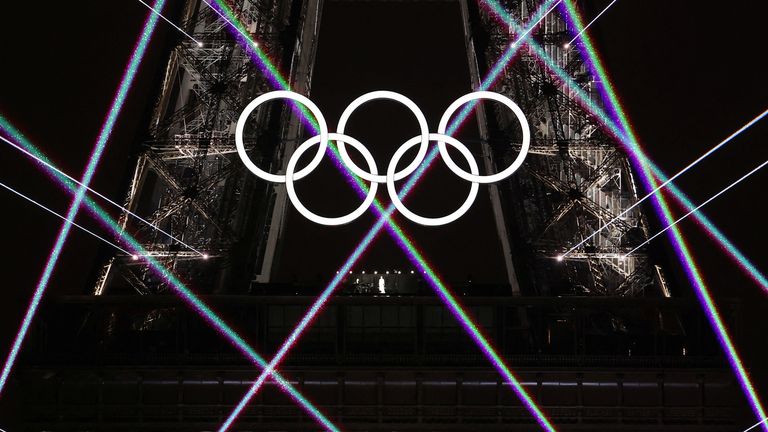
[{"x": 596, "y": 339}]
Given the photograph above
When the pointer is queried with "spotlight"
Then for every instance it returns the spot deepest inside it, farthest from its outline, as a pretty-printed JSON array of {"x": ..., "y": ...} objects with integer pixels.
[
  {"x": 200, "y": 44},
  {"x": 560, "y": 258},
  {"x": 566, "y": 45},
  {"x": 206, "y": 256},
  {"x": 135, "y": 257}
]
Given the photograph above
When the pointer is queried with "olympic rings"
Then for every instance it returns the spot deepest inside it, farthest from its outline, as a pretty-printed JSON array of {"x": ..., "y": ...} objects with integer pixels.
[
  {"x": 281, "y": 94},
  {"x": 382, "y": 94},
  {"x": 523, "y": 125},
  {"x": 392, "y": 175},
  {"x": 421, "y": 219},
  {"x": 289, "y": 176}
]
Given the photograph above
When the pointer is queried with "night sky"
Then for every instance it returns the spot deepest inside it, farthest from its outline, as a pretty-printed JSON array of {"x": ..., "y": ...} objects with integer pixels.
[{"x": 688, "y": 75}]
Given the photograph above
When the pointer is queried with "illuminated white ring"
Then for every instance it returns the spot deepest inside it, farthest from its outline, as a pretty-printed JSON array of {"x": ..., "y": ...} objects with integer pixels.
[
  {"x": 281, "y": 94},
  {"x": 397, "y": 97},
  {"x": 322, "y": 220},
  {"x": 426, "y": 220},
  {"x": 523, "y": 125}
]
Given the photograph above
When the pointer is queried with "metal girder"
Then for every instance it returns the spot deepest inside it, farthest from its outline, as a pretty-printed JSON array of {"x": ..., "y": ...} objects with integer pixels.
[{"x": 576, "y": 178}]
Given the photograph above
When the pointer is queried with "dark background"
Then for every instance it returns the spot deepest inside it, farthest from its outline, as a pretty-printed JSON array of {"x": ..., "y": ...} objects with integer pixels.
[{"x": 688, "y": 74}]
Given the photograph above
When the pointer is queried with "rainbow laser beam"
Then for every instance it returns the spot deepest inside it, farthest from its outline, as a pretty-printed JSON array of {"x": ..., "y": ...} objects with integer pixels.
[
  {"x": 679, "y": 244},
  {"x": 613, "y": 127},
  {"x": 43, "y": 161},
  {"x": 669, "y": 180},
  {"x": 21, "y": 195},
  {"x": 568, "y": 44},
  {"x": 104, "y": 134},
  {"x": 683, "y": 217},
  {"x": 197, "y": 42},
  {"x": 413, "y": 253},
  {"x": 185, "y": 293}
]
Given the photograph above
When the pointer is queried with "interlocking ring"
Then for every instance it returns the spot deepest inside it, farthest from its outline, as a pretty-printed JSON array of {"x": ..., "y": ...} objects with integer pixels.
[
  {"x": 441, "y": 128},
  {"x": 426, "y": 220},
  {"x": 289, "y": 176},
  {"x": 383, "y": 94},
  {"x": 281, "y": 94},
  {"x": 392, "y": 175}
]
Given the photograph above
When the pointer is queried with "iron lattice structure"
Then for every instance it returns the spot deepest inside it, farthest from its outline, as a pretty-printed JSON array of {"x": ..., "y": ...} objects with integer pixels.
[
  {"x": 575, "y": 180},
  {"x": 593, "y": 353},
  {"x": 188, "y": 178}
]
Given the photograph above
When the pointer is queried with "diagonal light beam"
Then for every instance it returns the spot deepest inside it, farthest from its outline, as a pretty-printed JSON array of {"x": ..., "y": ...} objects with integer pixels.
[
  {"x": 694, "y": 275},
  {"x": 98, "y": 194},
  {"x": 669, "y": 180},
  {"x": 21, "y": 195},
  {"x": 416, "y": 258},
  {"x": 104, "y": 135},
  {"x": 568, "y": 44},
  {"x": 683, "y": 217},
  {"x": 197, "y": 42},
  {"x": 185, "y": 293},
  {"x": 616, "y": 129}
]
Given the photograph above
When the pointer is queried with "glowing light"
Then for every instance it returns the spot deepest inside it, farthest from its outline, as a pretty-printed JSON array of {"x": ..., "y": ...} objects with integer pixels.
[
  {"x": 749, "y": 268},
  {"x": 669, "y": 180},
  {"x": 21, "y": 195},
  {"x": 756, "y": 424},
  {"x": 678, "y": 242},
  {"x": 135, "y": 257},
  {"x": 393, "y": 228},
  {"x": 590, "y": 23},
  {"x": 560, "y": 258},
  {"x": 200, "y": 44},
  {"x": 206, "y": 256},
  {"x": 724, "y": 190},
  {"x": 104, "y": 134},
  {"x": 613, "y": 126},
  {"x": 3, "y": 125},
  {"x": 178, "y": 287}
]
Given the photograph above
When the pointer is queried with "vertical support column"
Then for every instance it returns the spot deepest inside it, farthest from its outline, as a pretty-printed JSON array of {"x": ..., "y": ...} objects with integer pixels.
[
  {"x": 482, "y": 125},
  {"x": 301, "y": 77}
]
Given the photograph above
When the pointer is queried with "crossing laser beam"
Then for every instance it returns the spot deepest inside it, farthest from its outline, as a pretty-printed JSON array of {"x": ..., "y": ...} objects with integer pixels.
[
  {"x": 12, "y": 190},
  {"x": 713, "y": 197},
  {"x": 104, "y": 134},
  {"x": 411, "y": 251},
  {"x": 174, "y": 283},
  {"x": 613, "y": 126},
  {"x": 105, "y": 198},
  {"x": 669, "y": 180},
  {"x": 692, "y": 271},
  {"x": 197, "y": 42},
  {"x": 756, "y": 425},
  {"x": 568, "y": 44}
]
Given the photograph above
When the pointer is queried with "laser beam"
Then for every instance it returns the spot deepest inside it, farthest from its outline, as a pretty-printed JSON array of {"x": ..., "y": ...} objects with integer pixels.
[
  {"x": 316, "y": 307},
  {"x": 713, "y": 197},
  {"x": 105, "y": 198},
  {"x": 701, "y": 290},
  {"x": 174, "y": 283},
  {"x": 613, "y": 126},
  {"x": 12, "y": 190},
  {"x": 197, "y": 42},
  {"x": 756, "y": 425},
  {"x": 104, "y": 134},
  {"x": 568, "y": 45},
  {"x": 669, "y": 180}
]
